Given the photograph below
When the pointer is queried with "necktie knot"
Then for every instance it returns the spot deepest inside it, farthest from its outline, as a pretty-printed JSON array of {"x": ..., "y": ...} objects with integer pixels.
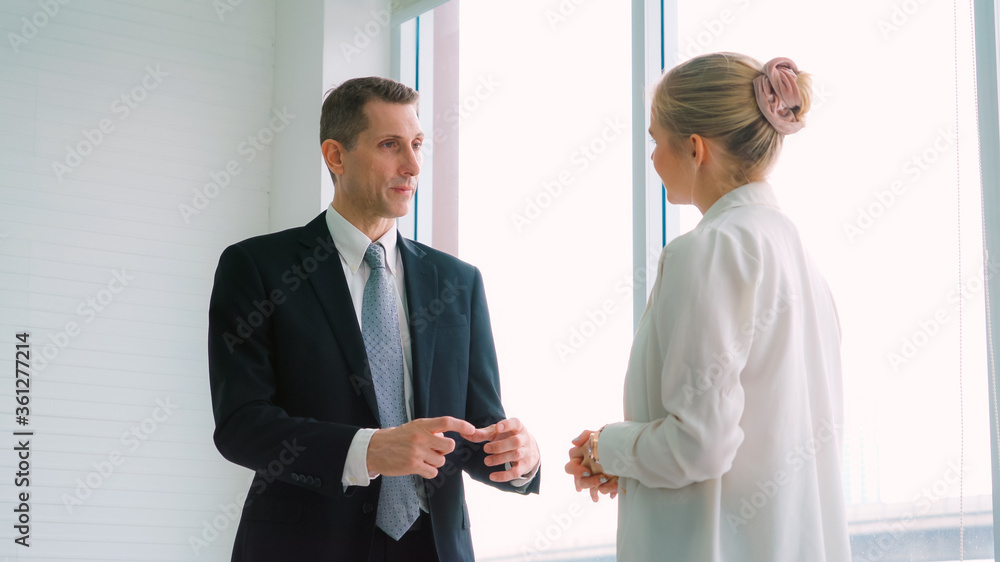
[{"x": 375, "y": 256}]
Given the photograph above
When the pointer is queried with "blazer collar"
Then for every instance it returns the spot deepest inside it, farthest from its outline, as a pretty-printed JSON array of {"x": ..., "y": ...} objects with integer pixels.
[
  {"x": 320, "y": 260},
  {"x": 420, "y": 278},
  {"x": 757, "y": 193}
]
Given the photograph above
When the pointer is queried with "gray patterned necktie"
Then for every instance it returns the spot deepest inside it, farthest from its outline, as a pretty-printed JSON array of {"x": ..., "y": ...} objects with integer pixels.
[{"x": 398, "y": 503}]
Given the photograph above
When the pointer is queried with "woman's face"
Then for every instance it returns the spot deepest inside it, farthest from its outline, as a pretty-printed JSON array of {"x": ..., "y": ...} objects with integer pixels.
[{"x": 673, "y": 164}]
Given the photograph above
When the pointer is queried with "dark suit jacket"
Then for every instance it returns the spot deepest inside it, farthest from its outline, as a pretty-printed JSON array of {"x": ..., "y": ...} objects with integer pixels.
[{"x": 291, "y": 387}]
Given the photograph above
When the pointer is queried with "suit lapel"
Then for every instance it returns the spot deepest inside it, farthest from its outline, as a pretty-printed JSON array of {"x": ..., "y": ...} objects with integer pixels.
[
  {"x": 330, "y": 285},
  {"x": 421, "y": 282}
]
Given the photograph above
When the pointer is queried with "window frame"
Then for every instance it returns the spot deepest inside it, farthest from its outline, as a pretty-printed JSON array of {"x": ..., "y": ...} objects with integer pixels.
[
  {"x": 418, "y": 45},
  {"x": 412, "y": 64},
  {"x": 986, "y": 23},
  {"x": 655, "y": 222}
]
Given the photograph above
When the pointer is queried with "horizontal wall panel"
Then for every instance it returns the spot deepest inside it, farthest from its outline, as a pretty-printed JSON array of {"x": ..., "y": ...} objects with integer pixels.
[{"x": 114, "y": 117}]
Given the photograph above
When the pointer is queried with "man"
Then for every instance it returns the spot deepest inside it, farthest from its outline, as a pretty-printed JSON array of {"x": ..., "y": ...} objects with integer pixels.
[{"x": 351, "y": 367}]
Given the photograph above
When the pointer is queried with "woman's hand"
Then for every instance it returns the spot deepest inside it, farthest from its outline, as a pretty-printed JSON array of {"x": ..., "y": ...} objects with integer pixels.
[{"x": 587, "y": 474}]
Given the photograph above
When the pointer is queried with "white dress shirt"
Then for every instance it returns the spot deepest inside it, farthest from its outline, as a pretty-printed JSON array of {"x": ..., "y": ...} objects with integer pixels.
[
  {"x": 731, "y": 448},
  {"x": 352, "y": 244}
]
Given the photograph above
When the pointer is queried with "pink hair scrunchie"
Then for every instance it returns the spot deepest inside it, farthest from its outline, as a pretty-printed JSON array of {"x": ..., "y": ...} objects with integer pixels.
[{"x": 777, "y": 94}]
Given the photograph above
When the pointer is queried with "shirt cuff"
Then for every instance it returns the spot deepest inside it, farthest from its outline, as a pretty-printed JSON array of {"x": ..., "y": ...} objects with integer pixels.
[
  {"x": 356, "y": 466},
  {"x": 524, "y": 480}
]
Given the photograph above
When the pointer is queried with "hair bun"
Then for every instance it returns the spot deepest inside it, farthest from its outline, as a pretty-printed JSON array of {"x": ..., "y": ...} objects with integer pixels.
[
  {"x": 714, "y": 95},
  {"x": 779, "y": 96}
]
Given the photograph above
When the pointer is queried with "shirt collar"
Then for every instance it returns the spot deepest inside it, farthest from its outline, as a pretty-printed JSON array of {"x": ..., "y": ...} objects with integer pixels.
[
  {"x": 756, "y": 193},
  {"x": 352, "y": 243}
]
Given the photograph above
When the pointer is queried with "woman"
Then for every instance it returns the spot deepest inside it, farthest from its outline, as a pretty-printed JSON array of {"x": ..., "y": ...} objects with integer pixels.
[{"x": 733, "y": 403}]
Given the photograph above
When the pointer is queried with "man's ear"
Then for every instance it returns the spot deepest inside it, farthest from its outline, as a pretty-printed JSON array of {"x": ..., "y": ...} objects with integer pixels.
[{"x": 333, "y": 154}]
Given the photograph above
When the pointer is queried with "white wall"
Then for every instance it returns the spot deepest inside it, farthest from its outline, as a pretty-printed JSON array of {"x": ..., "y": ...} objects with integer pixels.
[
  {"x": 298, "y": 87},
  {"x": 114, "y": 212},
  {"x": 319, "y": 44},
  {"x": 357, "y": 43},
  {"x": 111, "y": 279}
]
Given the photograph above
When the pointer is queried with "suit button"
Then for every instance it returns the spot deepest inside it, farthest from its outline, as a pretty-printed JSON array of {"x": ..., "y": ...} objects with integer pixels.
[
  {"x": 319, "y": 483},
  {"x": 309, "y": 480},
  {"x": 367, "y": 508},
  {"x": 295, "y": 477}
]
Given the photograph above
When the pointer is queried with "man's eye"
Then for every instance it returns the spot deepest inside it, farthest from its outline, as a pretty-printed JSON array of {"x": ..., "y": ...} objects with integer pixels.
[
  {"x": 389, "y": 144},
  {"x": 417, "y": 145}
]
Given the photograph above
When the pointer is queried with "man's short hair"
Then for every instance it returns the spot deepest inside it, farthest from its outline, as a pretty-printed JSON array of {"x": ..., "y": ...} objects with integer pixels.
[{"x": 343, "y": 117}]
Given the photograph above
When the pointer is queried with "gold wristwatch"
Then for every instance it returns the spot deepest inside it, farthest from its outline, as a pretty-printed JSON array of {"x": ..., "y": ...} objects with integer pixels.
[{"x": 592, "y": 447}]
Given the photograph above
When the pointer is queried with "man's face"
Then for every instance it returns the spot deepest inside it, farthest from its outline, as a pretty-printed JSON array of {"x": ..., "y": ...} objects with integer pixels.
[{"x": 380, "y": 174}]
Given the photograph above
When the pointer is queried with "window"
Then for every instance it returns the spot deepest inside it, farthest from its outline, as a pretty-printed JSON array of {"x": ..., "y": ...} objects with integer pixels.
[
  {"x": 546, "y": 212},
  {"x": 416, "y": 69},
  {"x": 872, "y": 185},
  {"x": 548, "y": 163}
]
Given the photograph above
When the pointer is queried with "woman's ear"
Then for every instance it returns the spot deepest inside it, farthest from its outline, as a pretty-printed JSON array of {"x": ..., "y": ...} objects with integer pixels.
[
  {"x": 699, "y": 150},
  {"x": 333, "y": 154}
]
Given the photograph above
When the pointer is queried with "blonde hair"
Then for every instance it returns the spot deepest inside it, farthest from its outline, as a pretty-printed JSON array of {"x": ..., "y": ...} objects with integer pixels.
[{"x": 713, "y": 96}]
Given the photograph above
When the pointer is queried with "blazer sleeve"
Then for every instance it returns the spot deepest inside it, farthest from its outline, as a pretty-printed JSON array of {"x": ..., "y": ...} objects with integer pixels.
[
  {"x": 704, "y": 299},
  {"x": 483, "y": 405},
  {"x": 251, "y": 429}
]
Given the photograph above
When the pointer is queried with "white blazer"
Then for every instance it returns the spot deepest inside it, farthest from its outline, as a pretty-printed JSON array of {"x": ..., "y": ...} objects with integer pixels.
[{"x": 731, "y": 448}]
